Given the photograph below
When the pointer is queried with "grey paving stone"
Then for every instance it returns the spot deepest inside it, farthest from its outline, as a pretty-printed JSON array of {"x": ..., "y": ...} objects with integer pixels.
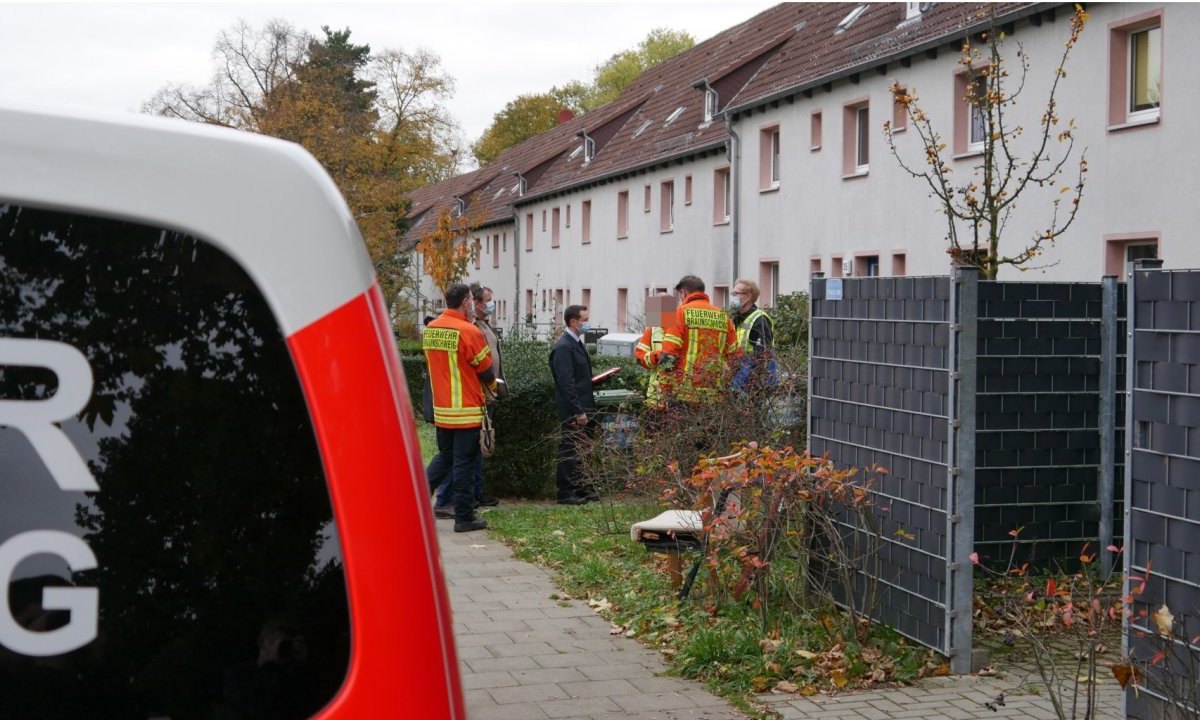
[
  {"x": 527, "y": 693},
  {"x": 579, "y": 707},
  {"x": 475, "y": 681},
  {"x": 599, "y": 688},
  {"x": 653, "y": 701}
]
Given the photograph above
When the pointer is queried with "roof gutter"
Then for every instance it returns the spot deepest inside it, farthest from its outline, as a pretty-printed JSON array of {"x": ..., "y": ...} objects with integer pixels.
[
  {"x": 516, "y": 218},
  {"x": 714, "y": 145},
  {"x": 887, "y": 59},
  {"x": 735, "y": 213}
]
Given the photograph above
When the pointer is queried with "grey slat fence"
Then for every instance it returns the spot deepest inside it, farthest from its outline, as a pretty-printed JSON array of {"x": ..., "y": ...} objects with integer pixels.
[
  {"x": 995, "y": 407},
  {"x": 1162, "y": 524}
]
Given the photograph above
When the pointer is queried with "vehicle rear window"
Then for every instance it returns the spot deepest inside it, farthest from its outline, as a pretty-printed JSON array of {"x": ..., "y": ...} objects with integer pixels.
[{"x": 167, "y": 545}]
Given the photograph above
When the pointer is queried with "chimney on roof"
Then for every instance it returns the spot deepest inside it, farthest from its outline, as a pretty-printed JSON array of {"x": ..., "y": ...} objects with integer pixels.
[{"x": 565, "y": 116}]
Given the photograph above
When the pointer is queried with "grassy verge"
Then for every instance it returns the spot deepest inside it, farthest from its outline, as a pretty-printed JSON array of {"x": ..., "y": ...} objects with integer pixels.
[
  {"x": 720, "y": 643},
  {"x": 427, "y": 434}
]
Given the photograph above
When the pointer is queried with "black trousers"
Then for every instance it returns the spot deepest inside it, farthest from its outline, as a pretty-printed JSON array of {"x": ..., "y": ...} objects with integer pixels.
[
  {"x": 571, "y": 440},
  {"x": 458, "y": 452}
]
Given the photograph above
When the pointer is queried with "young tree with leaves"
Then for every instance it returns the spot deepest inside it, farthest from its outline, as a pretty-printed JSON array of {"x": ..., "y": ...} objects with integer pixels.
[
  {"x": 979, "y": 209},
  {"x": 445, "y": 250}
]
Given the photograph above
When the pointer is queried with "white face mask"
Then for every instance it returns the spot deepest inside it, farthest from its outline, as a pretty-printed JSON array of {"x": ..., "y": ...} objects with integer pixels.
[{"x": 491, "y": 307}]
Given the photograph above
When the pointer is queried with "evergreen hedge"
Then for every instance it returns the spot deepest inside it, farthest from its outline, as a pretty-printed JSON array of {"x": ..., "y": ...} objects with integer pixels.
[{"x": 526, "y": 423}]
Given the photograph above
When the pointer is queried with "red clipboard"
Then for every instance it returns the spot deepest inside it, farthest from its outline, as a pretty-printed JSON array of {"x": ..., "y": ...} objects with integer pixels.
[{"x": 596, "y": 379}]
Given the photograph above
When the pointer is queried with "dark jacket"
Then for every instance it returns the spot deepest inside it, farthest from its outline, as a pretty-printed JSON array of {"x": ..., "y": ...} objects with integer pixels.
[{"x": 572, "y": 370}]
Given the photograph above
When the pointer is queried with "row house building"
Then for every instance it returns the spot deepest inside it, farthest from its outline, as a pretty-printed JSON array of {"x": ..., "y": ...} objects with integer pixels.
[{"x": 760, "y": 153}]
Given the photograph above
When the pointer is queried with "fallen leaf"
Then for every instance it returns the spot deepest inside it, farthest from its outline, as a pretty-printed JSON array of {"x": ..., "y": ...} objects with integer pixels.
[
  {"x": 974, "y": 558},
  {"x": 559, "y": 533},
  {"x": 600, "y": 605},
  {"x": 838, "y": 678},
  {"x": 786, "y": 686},
  {"x": 616, "y": 629},
  {"x": 808, "y": 690},
  {"x": 478, "y": 547},
  {"x": 806, "y": 654}
]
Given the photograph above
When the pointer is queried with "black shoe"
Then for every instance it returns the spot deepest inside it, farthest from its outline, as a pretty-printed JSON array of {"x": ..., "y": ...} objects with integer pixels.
[
  {"x": 485, "y": 500},
  {"x": 469, "y": 525},
  {"x": 444, "y": 512},
  {"x": 572, "y": 501}
]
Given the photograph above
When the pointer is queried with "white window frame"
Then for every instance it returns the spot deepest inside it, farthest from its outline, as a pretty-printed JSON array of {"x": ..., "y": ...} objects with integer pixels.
[
  {"x": 862, "y": 122},
  {"x": 775, "y": 158},
  {"x": 1150, "y": 113},
  {"x": 976, "y": 120},
  {"x": 710, "y": 104}
]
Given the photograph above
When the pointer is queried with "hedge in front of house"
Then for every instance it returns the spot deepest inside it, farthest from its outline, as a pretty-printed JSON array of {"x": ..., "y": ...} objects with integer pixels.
[{"x": 526, "y": 423}]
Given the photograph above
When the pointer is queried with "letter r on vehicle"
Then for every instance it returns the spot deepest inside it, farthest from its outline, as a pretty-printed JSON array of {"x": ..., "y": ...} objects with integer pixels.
[{"x": 36, "y": 419}]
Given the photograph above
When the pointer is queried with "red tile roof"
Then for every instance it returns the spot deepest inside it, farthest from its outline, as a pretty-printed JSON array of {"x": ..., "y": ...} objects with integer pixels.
[{"x": 778, "y": 52}]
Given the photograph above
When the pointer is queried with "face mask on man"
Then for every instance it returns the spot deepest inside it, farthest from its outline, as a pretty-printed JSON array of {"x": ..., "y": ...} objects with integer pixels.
[
  {"x": 584, "y": 327},
  {"x": 491, "y": 307}
]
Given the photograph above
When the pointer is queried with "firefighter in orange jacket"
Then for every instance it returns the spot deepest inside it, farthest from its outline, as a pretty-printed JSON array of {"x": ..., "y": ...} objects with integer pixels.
[
  {"x": 699, "y": 344},
  {"x": 460, "y": 366}
]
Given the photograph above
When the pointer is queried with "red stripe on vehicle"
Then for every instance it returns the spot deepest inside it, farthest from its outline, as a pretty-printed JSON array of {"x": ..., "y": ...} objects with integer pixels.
[{"x": 403, "y": 660}]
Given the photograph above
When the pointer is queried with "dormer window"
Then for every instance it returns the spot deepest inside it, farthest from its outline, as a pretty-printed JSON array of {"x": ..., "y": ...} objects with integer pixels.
[
  {"x": 674, "y": 115},
  {"x": 710, "y": 104},
  {"x": 847, "y": 21},
  {"x": 460, "y": 206},
  {"x": 521, "y": 185},
  {"x": 588, "y": 146}
]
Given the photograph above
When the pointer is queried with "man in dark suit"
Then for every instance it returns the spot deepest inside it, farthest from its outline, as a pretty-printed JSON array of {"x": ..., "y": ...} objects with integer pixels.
[{"x": 572, "y": 371}]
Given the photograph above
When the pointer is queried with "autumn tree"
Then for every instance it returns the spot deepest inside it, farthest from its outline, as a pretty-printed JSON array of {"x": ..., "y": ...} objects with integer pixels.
[
  {"x": 445, "y": 250},
  {"x": 531, "y": 114},
  {"x": 525, "y": 117},
  {"x": 1009, "y": 165},
  {"x": 619, "y": 71},
  {"x": 376, "y": 122}
]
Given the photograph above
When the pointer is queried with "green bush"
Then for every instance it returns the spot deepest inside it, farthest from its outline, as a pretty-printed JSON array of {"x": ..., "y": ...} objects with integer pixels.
[
  {"x": 526, "y": 423},
  {"x": 414, "y": 376},
  {"x": 409, "y": 347},
  {"x": 791, "y": 320}
]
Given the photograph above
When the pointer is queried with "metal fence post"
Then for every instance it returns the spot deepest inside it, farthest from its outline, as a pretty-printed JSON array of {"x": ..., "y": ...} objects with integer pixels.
[
  {"x": 1108, "y": 420},
  {"x": 961, "y": 468}
]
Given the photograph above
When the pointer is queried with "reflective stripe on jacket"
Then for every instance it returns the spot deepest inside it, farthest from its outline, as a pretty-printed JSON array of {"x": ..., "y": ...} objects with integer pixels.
[
  {"x": 701, "y": 339},
  {"x": 455, "y": 353},
  {"x": 651, "y": 340},
  {"x": 747, "y": 324}
]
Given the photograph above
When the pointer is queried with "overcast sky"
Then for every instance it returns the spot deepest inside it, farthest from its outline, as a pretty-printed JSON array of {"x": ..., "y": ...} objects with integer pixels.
[{"x": 114, "y": 56}]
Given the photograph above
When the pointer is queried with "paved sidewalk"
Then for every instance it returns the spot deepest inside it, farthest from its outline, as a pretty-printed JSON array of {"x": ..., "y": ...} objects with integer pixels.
[
  {"x": 526, "y": 656},
  {"x": 941, "y": 698}
]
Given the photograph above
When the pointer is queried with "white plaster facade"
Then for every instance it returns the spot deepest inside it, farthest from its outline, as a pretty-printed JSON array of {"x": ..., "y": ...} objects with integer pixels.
[{"x": 1140, "y": 184}]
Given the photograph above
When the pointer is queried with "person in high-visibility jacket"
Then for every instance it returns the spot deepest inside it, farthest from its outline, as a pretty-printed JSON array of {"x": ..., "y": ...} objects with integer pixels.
[
  {"x": 755, "y": 337},
  {"x": 460, "y": 366},
  {"x": 699, "y": 343},
  {"x": 651, "y": 341}
]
